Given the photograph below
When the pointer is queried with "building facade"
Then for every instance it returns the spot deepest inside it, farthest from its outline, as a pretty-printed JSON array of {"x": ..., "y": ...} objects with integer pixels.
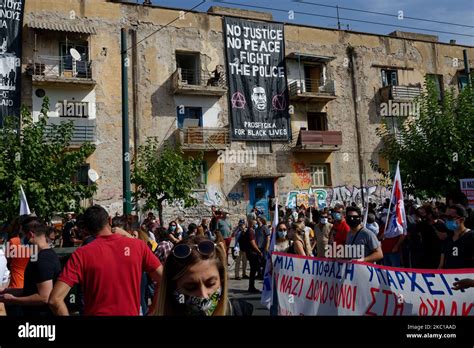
[{"x": 338, "y": 81}]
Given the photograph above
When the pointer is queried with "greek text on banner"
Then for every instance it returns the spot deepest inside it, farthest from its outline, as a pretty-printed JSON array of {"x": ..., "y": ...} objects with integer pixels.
[{"x": 316, "y": 286}]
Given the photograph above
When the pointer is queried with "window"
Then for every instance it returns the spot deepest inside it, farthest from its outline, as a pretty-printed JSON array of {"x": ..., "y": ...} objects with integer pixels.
[
  {"x": 189, "y": 117},
  {"x": 82, "y": 175},
  {"x": 72, "y": 67},
  {"x": 389, "y": 77},
  {"x": 201, "y": 180},
  {"x": 190, "y": 67},
  {"x": 320, "y": 175},
  {"x": 438, "y": 81},
  {"x": 317, "y": 121},
  {"x": 463, "y": 81}
]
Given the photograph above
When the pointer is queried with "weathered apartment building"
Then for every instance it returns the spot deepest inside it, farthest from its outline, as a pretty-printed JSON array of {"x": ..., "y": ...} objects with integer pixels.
[{"x": 337, "y": 80}]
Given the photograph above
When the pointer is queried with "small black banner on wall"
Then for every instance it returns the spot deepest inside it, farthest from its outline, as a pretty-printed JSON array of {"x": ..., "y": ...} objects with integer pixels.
[
  {"x": 11, "y": 23},
  {"x": 258, "y": 88}
]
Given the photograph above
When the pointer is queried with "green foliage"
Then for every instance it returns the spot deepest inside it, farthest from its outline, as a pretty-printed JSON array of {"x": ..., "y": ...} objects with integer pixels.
[
  {"x": 40, "y": 160},
  {"x": 436, "y": 149},
  {"x": 164, "y": 174}
]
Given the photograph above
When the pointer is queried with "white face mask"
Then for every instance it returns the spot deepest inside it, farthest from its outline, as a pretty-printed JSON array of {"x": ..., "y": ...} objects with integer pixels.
[{"x": 323, "y": 221}]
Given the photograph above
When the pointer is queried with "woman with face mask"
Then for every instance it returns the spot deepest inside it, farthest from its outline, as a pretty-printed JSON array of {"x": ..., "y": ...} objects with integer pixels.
[
  {"x": 195, "y": 282},
  {"x": 282, "y": 243},
  {"x": 174, "y": 235}
]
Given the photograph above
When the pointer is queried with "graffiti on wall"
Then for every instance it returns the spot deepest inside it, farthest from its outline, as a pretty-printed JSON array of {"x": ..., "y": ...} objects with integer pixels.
[
  {"x": 301, "y": 176},
  {"x": 214, "y": 196},
  {"x": 326, "y": 197},
  {"x": 235, "y": 197}
]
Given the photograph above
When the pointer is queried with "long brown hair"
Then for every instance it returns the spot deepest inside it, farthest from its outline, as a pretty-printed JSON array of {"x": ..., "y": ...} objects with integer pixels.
[
  {"x": 175, "y": 268},
  {"x": 301, "y": 236}
]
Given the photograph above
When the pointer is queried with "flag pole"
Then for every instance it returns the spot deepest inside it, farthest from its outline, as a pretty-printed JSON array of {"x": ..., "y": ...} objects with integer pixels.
[{"x": 391, "y": 197}]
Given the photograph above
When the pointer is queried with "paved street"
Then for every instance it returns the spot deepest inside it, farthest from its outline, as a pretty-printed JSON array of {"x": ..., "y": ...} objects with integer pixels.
[{"x": 238, "y": 289}]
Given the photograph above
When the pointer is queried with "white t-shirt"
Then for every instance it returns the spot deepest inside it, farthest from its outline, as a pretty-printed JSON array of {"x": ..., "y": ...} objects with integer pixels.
[{"x": 4, "y": 272}]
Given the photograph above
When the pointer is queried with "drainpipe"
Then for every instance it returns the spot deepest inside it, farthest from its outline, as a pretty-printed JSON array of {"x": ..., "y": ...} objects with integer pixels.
[
  {"x": 355, "y": 97},
  {"x": 127, "y": 205},
  {"x": 136, "y": 108}
]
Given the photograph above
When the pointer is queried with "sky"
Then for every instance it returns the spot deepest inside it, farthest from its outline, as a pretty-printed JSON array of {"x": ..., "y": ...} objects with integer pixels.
[{"x": 451, "y": 11}]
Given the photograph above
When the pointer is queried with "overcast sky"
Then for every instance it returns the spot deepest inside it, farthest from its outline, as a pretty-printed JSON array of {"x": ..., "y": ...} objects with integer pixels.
[{"x": 452, "y": 11}]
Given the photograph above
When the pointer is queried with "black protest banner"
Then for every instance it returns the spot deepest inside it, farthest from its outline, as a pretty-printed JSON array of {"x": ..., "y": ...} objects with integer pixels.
[
  {"x": 11, "y": 22},
  {"x": 258, "y": 89}
]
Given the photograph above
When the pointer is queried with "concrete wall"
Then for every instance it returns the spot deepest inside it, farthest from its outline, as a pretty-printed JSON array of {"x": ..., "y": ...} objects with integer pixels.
[{"x": 201, "y": 32}]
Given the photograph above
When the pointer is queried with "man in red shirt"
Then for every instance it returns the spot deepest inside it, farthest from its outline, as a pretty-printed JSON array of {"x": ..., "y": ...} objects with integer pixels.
[
  {"x": 109, "y": 270},
  {"x": 340, "y": 228}
]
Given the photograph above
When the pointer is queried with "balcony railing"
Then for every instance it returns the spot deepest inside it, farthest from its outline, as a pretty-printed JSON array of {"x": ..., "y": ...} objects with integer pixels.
[
  {"x": 186, "y": 81},
  {"x": 84, "y": 129},
  {"x": 400, "y": 92},
  {"x": 310, "y": 140},
  {"x": 313, "y": 88},
  {"x": 60, "y": 67},
  {"x": 198, "y": 138}
]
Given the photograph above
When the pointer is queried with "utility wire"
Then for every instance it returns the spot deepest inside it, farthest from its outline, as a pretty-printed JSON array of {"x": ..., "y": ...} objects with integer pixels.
[
  {"x": 166, "y": 25},
  {"x": 381, "y": 13},
  {"x": 347, "y": 19}
]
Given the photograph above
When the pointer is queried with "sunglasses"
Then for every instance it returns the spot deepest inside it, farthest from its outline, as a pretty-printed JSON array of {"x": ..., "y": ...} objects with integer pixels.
[{"x": 183, "y": 251}]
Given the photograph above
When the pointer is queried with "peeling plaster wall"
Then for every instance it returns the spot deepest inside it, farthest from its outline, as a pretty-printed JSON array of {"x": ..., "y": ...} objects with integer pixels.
[{"x": 200, "y": 32}]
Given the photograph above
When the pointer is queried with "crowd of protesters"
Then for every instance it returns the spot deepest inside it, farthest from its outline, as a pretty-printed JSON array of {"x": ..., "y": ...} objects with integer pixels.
[{"x": 122, "y": 267}]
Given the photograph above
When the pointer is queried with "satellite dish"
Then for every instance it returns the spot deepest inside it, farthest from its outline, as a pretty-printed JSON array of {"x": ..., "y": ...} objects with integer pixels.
[
  {"x": 93, "y": 176},
  {"x": 75, "y": 54}
]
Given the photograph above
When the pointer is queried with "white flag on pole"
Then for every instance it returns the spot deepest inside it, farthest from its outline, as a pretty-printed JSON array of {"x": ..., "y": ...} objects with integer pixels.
[
  {"x": 24, "y": 208},
  {"x": 267, "y": 292}
]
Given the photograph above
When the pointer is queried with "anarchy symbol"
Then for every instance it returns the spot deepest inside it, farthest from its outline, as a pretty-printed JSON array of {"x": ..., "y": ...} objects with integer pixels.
[
  {"x": 238, "y": 101},
  {"x": 279, "y": 102}
]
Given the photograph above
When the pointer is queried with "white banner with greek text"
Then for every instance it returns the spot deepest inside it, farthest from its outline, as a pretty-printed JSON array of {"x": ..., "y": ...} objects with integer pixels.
[{"x": 316, "y": 286}]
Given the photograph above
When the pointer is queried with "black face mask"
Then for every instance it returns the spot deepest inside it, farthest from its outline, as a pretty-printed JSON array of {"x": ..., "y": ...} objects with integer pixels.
[{"x": 353, "y": 221}]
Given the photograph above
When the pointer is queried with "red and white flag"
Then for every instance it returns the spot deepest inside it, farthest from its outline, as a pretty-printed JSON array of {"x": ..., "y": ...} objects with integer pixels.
[{"x": 396, "y": 219}]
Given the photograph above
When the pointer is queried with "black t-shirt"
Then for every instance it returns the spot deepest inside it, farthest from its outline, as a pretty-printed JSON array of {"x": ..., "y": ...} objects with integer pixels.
[
  {"x": 67, "y": 234},
  {"x": 46, "y": 267},
  {"x": 459, "y": 253},
  {"x": 432, "y": 246},
  {"x": 245, "y": 241}
]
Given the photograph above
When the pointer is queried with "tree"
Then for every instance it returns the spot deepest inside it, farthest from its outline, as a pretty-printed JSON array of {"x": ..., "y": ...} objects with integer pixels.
[
  {"x": 164, "y": 175},
  {"x": 40, "y": 159},
  {"x": 436, "y": 148}
]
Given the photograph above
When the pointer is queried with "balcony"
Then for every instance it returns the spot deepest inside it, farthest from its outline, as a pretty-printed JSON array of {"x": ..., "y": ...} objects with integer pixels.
[
  {"x": 306, "y": 90},
  {"x": 318, "y": 141},
  {"x": 399, "y": 93},
  {"x": 84, "y": 129},
  {"x": 191, "y": 82},
  {"x": 47, "y": 70},
  {"x": 203, "y": 139}
]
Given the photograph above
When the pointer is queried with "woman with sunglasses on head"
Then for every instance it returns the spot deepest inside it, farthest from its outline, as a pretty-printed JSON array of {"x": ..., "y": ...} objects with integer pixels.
[{"x": 195, "y": 281}]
